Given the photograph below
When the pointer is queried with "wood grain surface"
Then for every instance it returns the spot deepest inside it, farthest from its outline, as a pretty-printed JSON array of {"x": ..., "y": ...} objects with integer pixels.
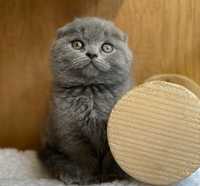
[
  {"x": 153, "y": 132},
  {"x": 164, "y": 35}
]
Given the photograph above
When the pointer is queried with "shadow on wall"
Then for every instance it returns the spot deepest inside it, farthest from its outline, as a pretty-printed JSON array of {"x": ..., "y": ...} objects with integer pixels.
[{"x": 27, "y": 29}]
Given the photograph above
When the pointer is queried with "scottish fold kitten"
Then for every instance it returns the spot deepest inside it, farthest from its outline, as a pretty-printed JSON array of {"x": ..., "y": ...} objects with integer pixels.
[{"x": 91, "y": 65}]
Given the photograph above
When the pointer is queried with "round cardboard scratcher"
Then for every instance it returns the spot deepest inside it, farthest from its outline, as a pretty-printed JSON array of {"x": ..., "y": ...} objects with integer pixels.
[{"x": 154, "y": 132}]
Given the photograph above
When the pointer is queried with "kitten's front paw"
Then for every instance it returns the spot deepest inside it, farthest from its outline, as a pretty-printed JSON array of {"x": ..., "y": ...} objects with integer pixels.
[
  {"x": 86, "y": 180},
  {"x": 67, "y": 180}
]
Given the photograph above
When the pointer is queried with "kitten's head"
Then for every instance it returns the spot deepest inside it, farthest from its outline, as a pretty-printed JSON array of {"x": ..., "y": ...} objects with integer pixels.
[{"x": 91, "y": 50}]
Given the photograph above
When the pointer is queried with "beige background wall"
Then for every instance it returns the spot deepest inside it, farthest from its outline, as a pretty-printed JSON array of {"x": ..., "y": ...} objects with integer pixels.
[{"x": 164, "y": 35}]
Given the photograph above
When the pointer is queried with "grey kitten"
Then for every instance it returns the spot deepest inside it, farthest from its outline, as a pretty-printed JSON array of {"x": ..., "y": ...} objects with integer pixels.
[{"x": 91, "y": 65}]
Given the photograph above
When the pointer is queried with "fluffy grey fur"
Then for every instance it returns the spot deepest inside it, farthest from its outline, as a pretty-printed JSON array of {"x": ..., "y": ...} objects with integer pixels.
[{"x": 91, "y": 65}]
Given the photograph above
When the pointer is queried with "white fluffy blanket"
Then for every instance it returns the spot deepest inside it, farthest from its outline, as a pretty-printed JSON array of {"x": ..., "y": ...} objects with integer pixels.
[{"x": 22, "y": 168}]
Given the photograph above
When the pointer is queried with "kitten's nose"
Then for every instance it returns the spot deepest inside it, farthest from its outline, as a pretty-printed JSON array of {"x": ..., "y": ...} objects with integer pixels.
[{"x": 91, "y": 55}]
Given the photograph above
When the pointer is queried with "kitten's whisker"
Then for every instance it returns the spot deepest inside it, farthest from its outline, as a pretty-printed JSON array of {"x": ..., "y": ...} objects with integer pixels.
[
  {"x": 70, "y": 52},
  {"x": 101, "y": 61},
  {"x": 78, "y": 58},
  {"x": 79, "y": 62},
  {"x": 102, "y": 65}
]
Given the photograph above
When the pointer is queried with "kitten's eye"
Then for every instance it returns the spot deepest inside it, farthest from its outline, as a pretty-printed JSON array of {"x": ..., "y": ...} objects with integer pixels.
[
  {"x": 77, "y": 44},
  {"x": 107, "y": 47}
]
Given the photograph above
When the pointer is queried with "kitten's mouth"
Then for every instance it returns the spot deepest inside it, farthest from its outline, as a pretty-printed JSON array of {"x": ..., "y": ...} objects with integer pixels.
[
  {"x": 99, "y": 65},
  {"x": 90, "y": 70},
  {"x": 91, "y": 64}
]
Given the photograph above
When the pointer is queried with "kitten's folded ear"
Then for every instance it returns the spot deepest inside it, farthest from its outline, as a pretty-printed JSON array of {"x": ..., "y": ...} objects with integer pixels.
[
  {"x": 67, "y": 28},
  {"x": 60, "y": 32},
  {"x": 77, "y": 19},
  {"x": 63, "y": 30}
]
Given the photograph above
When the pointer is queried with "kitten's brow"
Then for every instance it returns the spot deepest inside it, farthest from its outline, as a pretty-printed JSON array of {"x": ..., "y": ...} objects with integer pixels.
[{"x": 114, "y": 35}]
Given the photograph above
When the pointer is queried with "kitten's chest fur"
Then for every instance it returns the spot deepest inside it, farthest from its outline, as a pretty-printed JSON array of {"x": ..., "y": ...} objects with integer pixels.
[{"x": 92, "y": 105}]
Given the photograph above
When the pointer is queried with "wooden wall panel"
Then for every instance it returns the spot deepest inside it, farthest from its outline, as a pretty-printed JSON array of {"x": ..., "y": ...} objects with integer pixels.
[{"x": 164, "y": 35}]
